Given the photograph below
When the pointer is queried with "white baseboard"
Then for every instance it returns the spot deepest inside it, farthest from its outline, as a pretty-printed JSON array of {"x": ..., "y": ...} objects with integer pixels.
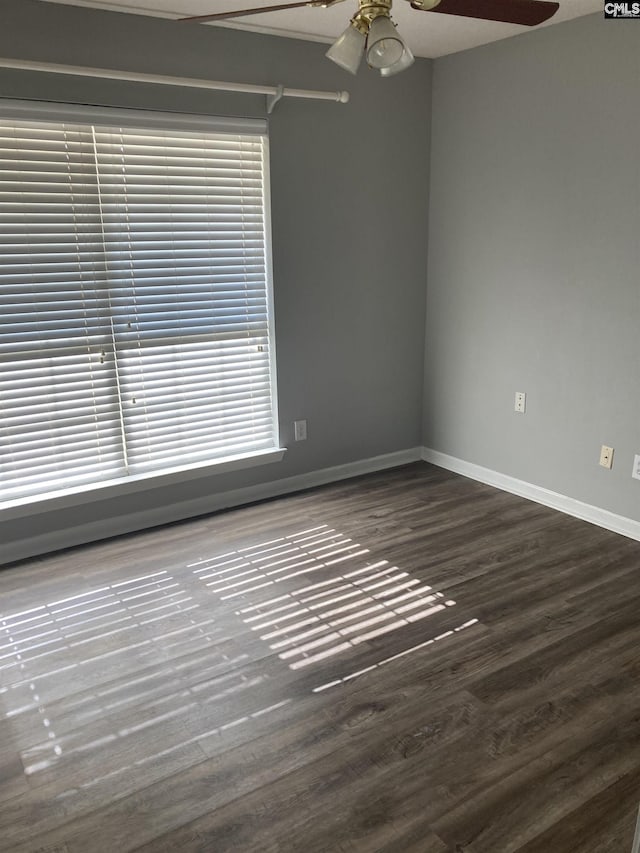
[
  {"x": 587, "y": 512},
  {"x": 107, "y": 527},
  {"x": 143, "y": 519}
]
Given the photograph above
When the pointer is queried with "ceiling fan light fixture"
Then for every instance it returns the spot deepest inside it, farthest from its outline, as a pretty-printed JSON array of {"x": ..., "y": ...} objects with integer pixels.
[
  {"x": 373, "y": 33},
  {"x": 402, "y": 64},
  {"x": 384, "y": 45},
  {"x": 348, "y": 49}
]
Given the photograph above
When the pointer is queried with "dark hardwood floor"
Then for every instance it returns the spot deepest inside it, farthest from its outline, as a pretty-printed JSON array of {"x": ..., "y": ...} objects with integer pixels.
[{"x": 407, "y": 661}]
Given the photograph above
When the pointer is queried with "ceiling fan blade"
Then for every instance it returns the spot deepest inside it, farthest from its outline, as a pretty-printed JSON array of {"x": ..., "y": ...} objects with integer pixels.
[
  {"x": 222, "y": 16},
  {"x": 525, "y": 12}
]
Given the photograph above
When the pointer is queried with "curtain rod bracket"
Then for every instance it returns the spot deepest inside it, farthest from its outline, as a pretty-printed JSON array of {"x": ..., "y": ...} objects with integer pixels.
[{"x": 272, "y": 100}]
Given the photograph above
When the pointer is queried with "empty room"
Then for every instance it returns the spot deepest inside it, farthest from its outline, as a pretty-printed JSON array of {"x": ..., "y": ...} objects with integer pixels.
[{"x": 319, "y": 426}]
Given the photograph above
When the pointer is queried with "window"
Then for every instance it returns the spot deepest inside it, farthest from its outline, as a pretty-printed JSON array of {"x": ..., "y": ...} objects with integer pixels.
[{"x": 136, "y": 329}]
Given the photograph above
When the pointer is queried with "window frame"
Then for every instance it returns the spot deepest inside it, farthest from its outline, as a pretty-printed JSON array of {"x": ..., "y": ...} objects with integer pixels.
[{"x": 132, "y": 483}]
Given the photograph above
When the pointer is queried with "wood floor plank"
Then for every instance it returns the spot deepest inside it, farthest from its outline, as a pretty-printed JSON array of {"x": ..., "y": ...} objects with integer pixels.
[
  {"x": 565, "y": 661},
  {"x": 415, "y": 838},
  {"x": 527, "y": 803},
  {"x": 12, "y": 780},
  {"x": 603, "y": 824}
]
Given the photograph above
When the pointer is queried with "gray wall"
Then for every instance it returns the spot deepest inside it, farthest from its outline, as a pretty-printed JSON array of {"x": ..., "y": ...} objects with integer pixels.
[
  {"x": 534, "y": 273},
  {"x": 349, "y": 301}
]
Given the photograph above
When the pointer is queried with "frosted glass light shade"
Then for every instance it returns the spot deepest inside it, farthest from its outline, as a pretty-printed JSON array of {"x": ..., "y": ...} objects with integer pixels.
[
  {"x": 405, "y": 61},
  {"x": 384, "y": 45},
  {"x": 348, "y": 49}
]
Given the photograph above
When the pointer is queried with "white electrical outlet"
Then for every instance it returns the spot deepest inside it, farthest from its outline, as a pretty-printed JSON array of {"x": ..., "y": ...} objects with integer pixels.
[
  {"x": 606, "y": 456},
  {"x": 636, "y": 466},
  {"x": 300, "y": 430},
  {"x": 521, "y": 402}
]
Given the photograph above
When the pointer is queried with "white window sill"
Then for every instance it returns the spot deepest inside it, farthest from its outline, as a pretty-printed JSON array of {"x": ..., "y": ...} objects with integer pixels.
[{"x": 116, "y": 488}]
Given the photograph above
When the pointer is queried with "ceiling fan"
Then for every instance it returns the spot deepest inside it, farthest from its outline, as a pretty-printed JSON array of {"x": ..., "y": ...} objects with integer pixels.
[{"x": 371, "y": 31}]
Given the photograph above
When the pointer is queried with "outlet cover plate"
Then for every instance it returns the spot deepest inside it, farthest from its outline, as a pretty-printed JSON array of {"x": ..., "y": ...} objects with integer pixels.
[
  {"x": 521, "y": 402},
  {"x": 636, "y": 467},
  {"x": 606, "y": 456}
]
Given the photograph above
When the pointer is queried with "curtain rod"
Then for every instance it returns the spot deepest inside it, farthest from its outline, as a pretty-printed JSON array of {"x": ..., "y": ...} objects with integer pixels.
[{"x": 273, "y": 93}]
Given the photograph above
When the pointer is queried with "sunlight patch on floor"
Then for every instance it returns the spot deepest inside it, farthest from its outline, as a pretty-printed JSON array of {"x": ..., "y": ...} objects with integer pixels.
[{"x": 345, "y": 607}]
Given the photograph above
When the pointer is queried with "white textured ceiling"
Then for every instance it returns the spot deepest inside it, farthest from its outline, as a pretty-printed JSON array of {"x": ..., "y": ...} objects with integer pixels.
[{"x": 428, "y": 34}]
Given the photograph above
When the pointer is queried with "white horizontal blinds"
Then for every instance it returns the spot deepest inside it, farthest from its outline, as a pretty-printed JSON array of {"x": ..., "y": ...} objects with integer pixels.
[
  {"x": 59, "y": 413},
  {"x": 134, "y": 299},
  {"x": 184, "y": 231}
]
